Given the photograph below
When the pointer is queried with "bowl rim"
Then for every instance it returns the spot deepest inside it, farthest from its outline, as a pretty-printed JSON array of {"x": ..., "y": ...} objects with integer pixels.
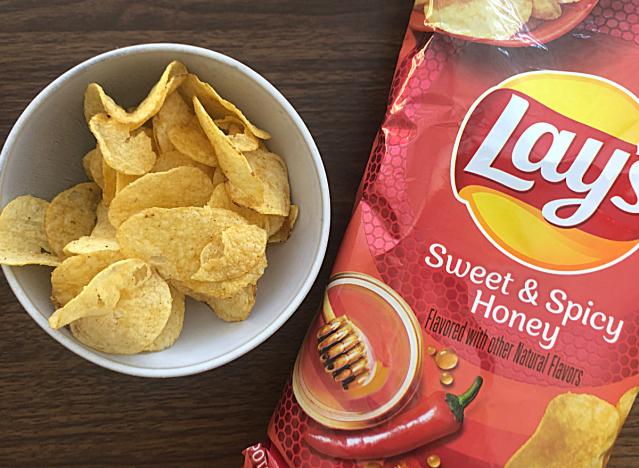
[{"x": 92, "y": 355}]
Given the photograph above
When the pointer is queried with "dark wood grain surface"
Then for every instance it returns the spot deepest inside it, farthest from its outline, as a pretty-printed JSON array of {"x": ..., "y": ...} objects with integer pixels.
[{"x": 333, "y": 60}]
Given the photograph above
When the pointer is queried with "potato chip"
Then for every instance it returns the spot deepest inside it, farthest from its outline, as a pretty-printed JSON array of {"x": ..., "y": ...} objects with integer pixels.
[
  {"x": 102, "y": 294},
  {"x": 624, "y": 405},
  {"x": 546, "y": 9},
  {"x": 133, "y": 324},
  {"x": 97, "y": 102},
  {"x": 93, "y": 102},
  {"x": 126, "y": 152},
  {"x": 102, "y": 237},
  {"x": 235, "y": 308},
  {"x": 191, "y": 140},
  {"x": 576, "y": 431},
  {"x": 86, "y": 164},
  {"x": 485, "y": 19},
  {"x": 148, "y": 131},
  {"x": 173, "y": 112},
  {"x": 182, "y": 186},
  {"x": 285, "y": 231},
  {"x": 223, "y": 289},
  {"x": 103, "y": 227},
  {"x": 110, "y": 177},
  {"x": 235, "y": 166},
  {"x": 239, "y": 250},
  {"x": 96, "y": 168},
  {"x": 23, "y": 238},
  {"x": 171, "y": 331},
  {"x": 232, "y": 309},
  {"x": 218, "y": 177},
  {"x": 216, "y": 107},
  {"x": 172, "y": 159},
  {"x": 171, "y": 239},
  {"x": 123, "y": 180},
  {"x": 69, "y": 279},
  {"x": 272, "y": 172},
  {"x": 220, "y": 199},
  {"x": 236, "y": 133},
  {"x": 88, "y": 244},
  {"x": 71, "y": 215},
  {"x": 275, "y": 223}
]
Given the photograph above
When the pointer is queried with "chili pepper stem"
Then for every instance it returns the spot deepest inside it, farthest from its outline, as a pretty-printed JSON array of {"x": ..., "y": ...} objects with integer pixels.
[{"x": 457, "y": 404}]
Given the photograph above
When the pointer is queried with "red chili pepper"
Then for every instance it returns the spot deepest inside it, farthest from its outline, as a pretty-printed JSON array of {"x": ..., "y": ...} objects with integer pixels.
[{"x": 439, "y": 415}]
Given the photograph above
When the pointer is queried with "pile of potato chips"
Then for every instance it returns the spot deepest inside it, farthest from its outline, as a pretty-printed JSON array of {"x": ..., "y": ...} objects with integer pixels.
[
  {"x": 183, "y": 199},
  {"x": 489, "y": 19}
]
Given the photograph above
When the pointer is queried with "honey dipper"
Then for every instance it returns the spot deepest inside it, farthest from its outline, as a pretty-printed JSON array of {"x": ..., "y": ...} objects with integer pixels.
[{"x": 343, "y": 350}]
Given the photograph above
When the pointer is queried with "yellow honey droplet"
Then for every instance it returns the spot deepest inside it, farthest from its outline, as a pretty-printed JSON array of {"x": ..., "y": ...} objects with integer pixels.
[
  {"x": 433, "y": 461},
  {"x": 431, "y": 350},
  {"x": 446, "y": 378},
  {"x": 446, "y": 359}
]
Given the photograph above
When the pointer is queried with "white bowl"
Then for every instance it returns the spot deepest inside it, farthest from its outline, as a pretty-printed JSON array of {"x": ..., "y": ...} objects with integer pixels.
[{"x": 43, "y": 156}]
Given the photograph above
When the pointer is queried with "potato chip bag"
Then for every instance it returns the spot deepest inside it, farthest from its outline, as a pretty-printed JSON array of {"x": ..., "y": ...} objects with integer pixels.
[
  {"x": 23, "y": 238},
  {"x": 182, "y": 186},
  {"x": 71, "y": 215},
  {"x": 481, "y": 310}
]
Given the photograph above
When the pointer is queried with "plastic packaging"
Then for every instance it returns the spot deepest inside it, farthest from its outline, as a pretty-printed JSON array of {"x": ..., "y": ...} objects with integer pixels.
[{"x": 482, "y": 309}]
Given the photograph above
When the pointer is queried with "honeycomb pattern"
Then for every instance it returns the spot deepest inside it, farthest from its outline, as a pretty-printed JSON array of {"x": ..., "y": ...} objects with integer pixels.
[
  {"x": 396, "y": 247},
  {"x": 387, "y": 214},
  {"x": 615, "y": 17},
  {"x": 287, "y": 426}
]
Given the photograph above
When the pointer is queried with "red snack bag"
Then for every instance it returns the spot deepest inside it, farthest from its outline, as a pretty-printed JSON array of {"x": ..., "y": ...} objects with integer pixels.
[{"x": 481, "y": 311}]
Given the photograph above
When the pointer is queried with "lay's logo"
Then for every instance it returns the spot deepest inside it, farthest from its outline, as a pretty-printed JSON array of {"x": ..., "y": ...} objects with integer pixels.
[{"x": 547, "y": 164}]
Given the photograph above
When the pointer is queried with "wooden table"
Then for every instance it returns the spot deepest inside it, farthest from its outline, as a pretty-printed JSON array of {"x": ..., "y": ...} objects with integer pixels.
[{"x": 333, "y": 60}]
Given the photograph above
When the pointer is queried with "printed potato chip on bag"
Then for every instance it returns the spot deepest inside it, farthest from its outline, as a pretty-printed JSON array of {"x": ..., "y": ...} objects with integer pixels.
[{"x": 481, "y": 312}]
